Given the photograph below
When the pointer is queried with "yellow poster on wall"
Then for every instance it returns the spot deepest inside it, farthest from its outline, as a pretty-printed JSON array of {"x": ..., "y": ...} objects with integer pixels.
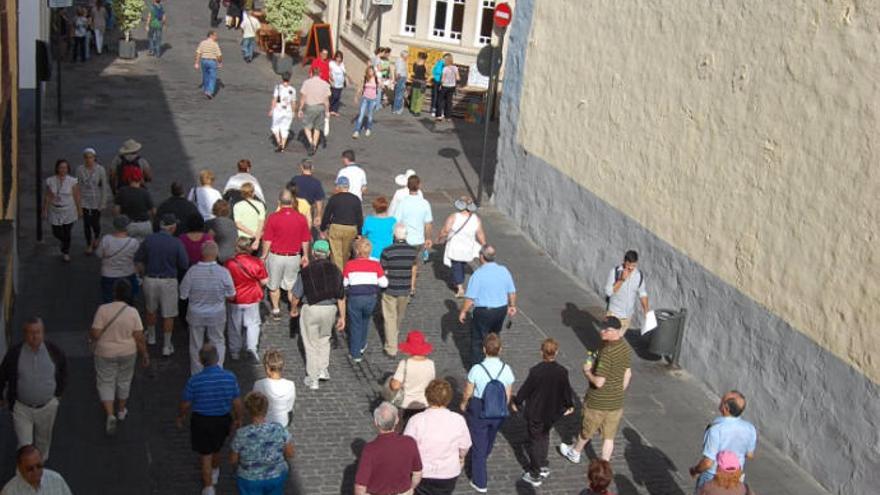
[{"x": 433, "y": 55}]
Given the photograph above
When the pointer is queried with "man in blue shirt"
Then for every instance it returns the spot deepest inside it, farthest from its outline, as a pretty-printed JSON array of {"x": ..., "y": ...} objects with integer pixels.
[
  {"x": 492, "y": 295},
  {"x": 160, "y": 257},
  {"x": 726, "y": 432},
  {"x": 212, "y": 396}
]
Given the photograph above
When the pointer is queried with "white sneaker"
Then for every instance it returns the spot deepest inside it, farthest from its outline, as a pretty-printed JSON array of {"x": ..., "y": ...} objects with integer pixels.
[
  {"x": 568, "y": 452},
  {"x": 151, "y": 336},
  {"x": 478, "y": 489},
  {"x": 215, "y": 475},
  {"x": 367, "y": 133},
  {"x": 121, "y": 415},
  {"x": 110, "y": 425},
  {"x": 168, "y": 349},
  {"x": 311, "y": 383},
  {"x": 208, "y": 490},
  {"x": 324, "y": 375},
  {"x": 355, "y": 135}
]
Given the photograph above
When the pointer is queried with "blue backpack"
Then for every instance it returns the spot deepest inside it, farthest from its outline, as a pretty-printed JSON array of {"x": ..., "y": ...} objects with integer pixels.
[{"x": 494, "y": 397}]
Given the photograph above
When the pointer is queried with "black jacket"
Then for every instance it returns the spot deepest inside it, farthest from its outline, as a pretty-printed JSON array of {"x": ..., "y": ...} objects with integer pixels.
[
  {"x": 9, "y": 370},
  {"x": 546, "y": 393}
]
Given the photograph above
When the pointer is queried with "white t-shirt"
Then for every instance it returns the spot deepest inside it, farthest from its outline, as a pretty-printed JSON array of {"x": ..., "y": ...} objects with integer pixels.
[
  {"x": 284, "y": 96},
  {"x": 117, "y": 255},
  {"x": 357, "y": 179},
  {"x": 337, "y": 74},
  {"x": 204, "y": 198},
  {"x": 249, "y": 27},
  {"x": 281, "y": 394}
]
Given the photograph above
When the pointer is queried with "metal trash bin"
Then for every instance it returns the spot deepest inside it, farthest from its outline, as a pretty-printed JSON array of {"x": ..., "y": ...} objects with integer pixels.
[{"x": 666, "y": 339}]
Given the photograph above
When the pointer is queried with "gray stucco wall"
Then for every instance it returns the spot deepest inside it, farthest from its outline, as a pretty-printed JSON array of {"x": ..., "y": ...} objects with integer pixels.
[{"x": 817, "y": 409}]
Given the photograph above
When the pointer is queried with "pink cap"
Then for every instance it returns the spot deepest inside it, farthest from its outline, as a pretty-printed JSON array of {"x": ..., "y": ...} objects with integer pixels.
[{"x": 727, "y": 461}]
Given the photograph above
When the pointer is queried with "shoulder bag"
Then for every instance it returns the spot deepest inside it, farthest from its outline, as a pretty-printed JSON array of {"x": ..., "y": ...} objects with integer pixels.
[{"x": 93, "y": 342}]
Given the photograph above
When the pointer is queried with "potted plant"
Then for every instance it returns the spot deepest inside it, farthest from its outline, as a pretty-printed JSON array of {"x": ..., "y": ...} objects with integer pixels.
[
  {"x": 286, "y": 17},
  {"x": 128, "y": 14}
]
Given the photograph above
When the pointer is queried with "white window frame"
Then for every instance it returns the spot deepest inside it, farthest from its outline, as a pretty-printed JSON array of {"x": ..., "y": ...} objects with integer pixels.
[
  {"x": 365, "y": 9},
  {"x": 406, "y": 30},
  {"x": 450, "y": 8},
  {"x": 477, "y": 35}
]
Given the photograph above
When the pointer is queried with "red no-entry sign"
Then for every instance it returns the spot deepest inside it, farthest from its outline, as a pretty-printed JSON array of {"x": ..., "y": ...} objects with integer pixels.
[{"x": 503, "y": 15}]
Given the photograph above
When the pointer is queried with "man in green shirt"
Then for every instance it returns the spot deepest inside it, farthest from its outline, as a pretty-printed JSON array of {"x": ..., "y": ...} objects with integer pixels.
[{"x": 609, "y": 377}]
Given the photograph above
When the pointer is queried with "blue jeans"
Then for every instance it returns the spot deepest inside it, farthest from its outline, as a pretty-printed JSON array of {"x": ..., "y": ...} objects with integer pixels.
[
  {"x": 483, "y": 432},
  {"x": 247, "y": 48},
  {"x": 107, "y": 287},
  {"x": 155, "y": 41},
  {"x": 399, "y": 92},
  {"x": 209, "y": 76},
  {"x": 274, "y": 486},
  {"x": 367, "y": 108},
  {"x": 360, "y": 310}
]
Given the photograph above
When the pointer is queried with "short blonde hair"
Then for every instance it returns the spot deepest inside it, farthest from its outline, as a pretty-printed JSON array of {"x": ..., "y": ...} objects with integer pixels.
[
  {"x": 363, "y": 247},
  {"x": 206, "y": 177},
  {"x": 273, "y": 360},
  {"x": 247, "y": 190}
]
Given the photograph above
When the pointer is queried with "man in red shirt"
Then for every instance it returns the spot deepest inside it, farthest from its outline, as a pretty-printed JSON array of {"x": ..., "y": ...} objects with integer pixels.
[
  {"x": 390, "y": 464},
  {"x": 249, "y": 277},
  {"x": 286, "y": 239},
  {"x": 322, "y": 64}
]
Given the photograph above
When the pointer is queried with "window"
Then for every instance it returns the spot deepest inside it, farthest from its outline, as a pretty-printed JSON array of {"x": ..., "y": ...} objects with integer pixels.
[
  {"x": 485, "y": 22},
  {"x": 348, "y": 10},
  {"x": 365, "y": 9},
  {"x": 408, "y": 19},
  {"x": 447, "y": 18}
]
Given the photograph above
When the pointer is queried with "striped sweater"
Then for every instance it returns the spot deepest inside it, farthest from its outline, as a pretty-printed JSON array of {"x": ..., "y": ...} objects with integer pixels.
[{"x": 363, "y": 277}]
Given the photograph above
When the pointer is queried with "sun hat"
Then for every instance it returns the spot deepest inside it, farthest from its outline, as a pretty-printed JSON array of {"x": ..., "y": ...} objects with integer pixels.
[
  {"x": 415, "y": 344},
  {"x": 727, "y": 461},
  {"x": 401, "y": 179},
  {"x": 129, "y": 146},
  {"x": 321, "y": 246},
  {"x": 90, "y": 151},
  {"x": 120, "y": 223}
]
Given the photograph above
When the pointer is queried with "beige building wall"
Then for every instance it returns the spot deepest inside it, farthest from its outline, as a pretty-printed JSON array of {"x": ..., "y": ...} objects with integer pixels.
[{"x": 743, "y": 133}]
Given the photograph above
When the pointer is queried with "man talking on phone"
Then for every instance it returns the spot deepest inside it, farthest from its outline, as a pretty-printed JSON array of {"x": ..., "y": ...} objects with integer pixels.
[{"x": 625, "y": 285}]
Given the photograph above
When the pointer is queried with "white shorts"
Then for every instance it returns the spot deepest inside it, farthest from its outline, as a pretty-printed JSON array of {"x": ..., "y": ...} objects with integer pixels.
[
  {"x": 161, "y": 294},
  {"x": 282, "y": 271}
]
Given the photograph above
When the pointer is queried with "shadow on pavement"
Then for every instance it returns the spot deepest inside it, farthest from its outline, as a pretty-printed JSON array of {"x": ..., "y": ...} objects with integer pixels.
[
  {"x": 583, "y": 324},
  {"x": 651, "y": 467},
  {"x": 347, "y": 488}
]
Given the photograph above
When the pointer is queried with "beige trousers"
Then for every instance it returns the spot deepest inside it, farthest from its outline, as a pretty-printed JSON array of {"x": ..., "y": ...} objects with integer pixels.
[{"x": 393, "y": 311}]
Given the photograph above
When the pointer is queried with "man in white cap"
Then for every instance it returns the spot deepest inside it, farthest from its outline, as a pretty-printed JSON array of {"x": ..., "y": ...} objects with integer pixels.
[
  {"x": 400, "y": 180},
  {"x": 94, "y": 191},
  {"x": 126, "y": 162}
]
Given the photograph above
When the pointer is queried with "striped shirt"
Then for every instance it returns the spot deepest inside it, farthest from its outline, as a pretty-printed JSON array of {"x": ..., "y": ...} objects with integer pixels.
[
  {"x": 207, "y": 286},
  {"x": 209, "y": 49},
  {"x": 363, "y": 277},
  {"x": 211, "y": 391},
  {"x": 397, "y": 261},
  {"x": 611, "y": 363},
  {"x": 93, "y": 186}
]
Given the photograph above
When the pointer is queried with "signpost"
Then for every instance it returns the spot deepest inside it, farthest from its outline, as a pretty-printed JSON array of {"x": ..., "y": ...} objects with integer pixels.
[{"x": 502, "y": 17}]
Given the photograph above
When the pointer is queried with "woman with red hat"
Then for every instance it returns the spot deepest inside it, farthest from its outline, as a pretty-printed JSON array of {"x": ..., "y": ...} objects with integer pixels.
[{"x": 412, "y": 376}]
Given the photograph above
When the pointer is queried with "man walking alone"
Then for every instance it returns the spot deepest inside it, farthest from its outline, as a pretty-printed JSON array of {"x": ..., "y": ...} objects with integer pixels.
[{"x": 209, "y": 58}]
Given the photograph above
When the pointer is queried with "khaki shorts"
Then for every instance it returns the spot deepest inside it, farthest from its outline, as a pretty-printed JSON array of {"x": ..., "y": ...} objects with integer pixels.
[
  {"x": 282, "y": 271},
  {"x": 162, "y": 294},
  {"x": 624, "y": 322},
  {"x": 605, "y": 421},
  {"x": 313, "y": 117}
]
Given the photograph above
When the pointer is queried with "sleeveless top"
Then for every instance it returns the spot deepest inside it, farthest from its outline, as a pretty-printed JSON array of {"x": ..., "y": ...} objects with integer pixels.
[{"x": 462, "y": 245}]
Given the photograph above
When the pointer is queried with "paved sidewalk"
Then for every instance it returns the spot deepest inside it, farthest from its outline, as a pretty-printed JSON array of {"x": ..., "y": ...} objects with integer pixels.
[{"x": 157, "y": 102}]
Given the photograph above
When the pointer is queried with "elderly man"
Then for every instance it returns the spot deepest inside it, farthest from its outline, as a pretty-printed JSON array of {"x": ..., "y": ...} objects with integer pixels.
[
  {"x": 390, "y": 464},
  {"x": 492, "y": 294},
  {"x": 136, "y": 203},
  {"x": 399, "y": 262},
  {"x": 207, "y": 286},
  {"x": 208, "y": 59},
  {"x": 34, "y": 374},
  {"x": 126, "y": 162},
  {"x": 31, "y": 477},
  {"x": 212, "y": 396},
  {"x": 314, "y": 107},
  {"x": 286, "y": 239},
  {"x": 608, "y": 378},
  {"x": 319, "y": 287},
  {"x": 342, "y": 221},
  {"x": 249, "y": 277},
  {"x": 727, "y": 432},
  {"x": 414, "y": 211},
  {"x": 242, "y": 177},
  {"x": 160, "y": 257},
  {"x": 625, "y": 285}
]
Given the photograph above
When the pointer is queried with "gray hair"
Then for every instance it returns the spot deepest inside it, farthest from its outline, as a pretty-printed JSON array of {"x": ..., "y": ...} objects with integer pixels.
[
  {"x": 208, "y": 355},
  {"x": 400, "y": 231},
  {"x": 385, "y": 416},
  {"x": 488, "y": 252},
  {"x": 210, "y": 249},
  {"x": 285, "y": 197}
]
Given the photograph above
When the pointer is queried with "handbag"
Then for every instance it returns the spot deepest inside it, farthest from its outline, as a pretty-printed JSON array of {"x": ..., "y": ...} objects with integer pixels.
[
  {"x": 392, "y": 396},
  {"x": 93, "y": 342}
]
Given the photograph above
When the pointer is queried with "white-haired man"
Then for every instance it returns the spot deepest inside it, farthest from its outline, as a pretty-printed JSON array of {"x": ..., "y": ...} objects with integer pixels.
[{"x": 391, "y": 462}]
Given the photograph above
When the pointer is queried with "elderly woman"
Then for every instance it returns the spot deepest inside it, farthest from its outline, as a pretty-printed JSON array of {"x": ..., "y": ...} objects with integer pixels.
[
  {"x": 249, "y": 214},
  {"x": 116, "y": 252},
  {"x": 61, "y": 205},
  {"x": 413, "y": 375},
  {"x": 118, "y": 336},
  {"x": 464, "y": 236},
  {"x": 363, "y": 278},
  {"x": 94, "y": 190},
  {"x": 443, "y": 440},
  {"x": 261, "y": 450},
  {"x": 223, "y": 230},
  {"x": 379, "y": 227},
  {"x": 195, "y": 238},
  {"x": 728, "y": 477},
  {"x": 204, "y": 196},
  {"x": 281, "y": 392}
]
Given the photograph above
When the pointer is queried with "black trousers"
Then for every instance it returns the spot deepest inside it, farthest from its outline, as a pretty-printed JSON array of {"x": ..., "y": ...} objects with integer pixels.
[
  {"x": 91, "y": 224},
  {"x": 539, "y": 444},
  {"x": 79, "y": 48},
  {"x": 335, "y": 96},
  {"x": 62, "y": 233},
  {"x": 444, "y": 105},
  {"x": 434, "y": 486},
  {"x": 485, "y": 321}
]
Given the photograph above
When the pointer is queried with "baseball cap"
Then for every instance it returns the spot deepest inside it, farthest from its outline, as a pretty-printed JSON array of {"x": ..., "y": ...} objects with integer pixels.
[
  {"x": 727, "y": 461},
  {"x": 321, "y": 245},
  {"x": 169, "y": 219},
  {"x": 611, "y": 323},
  {"x": 342, "y": 181}
]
